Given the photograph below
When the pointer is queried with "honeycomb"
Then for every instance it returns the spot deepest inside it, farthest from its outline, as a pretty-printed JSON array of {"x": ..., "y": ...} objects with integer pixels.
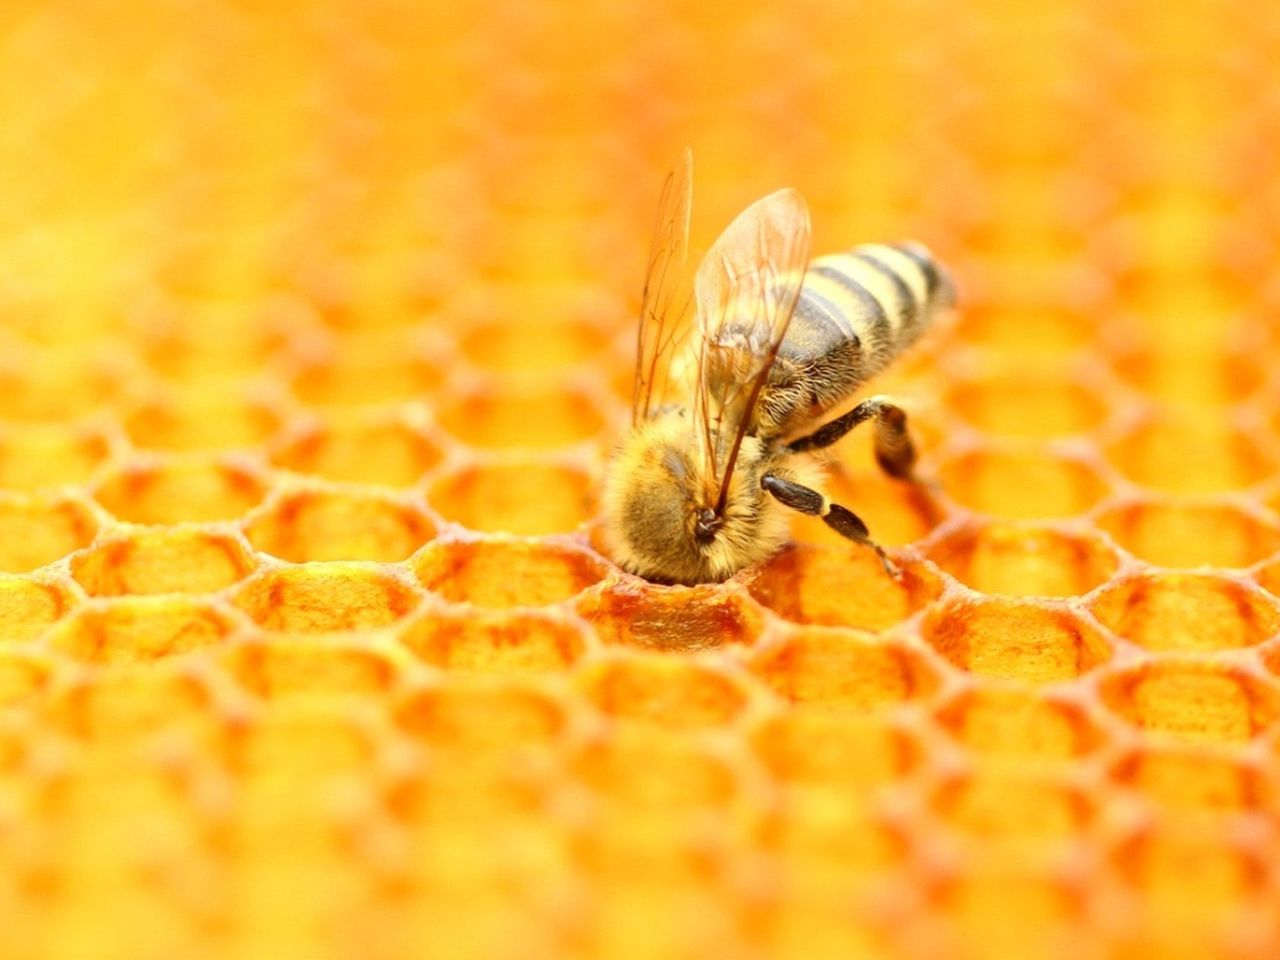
[{"x": 316, "y": 325}]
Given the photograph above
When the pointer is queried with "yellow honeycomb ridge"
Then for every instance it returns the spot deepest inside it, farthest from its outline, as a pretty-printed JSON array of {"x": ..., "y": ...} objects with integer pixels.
[{"x": 316, "y": 329}]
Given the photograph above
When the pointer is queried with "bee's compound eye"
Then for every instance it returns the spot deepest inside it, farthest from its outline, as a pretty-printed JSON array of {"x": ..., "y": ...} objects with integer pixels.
[{"x": 707, "y": 525}]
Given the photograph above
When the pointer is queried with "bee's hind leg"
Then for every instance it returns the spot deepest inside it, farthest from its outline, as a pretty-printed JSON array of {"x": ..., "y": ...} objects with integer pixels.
[
  {"x": 842, "y": 520},
  {"x": 895, "y": 452}
]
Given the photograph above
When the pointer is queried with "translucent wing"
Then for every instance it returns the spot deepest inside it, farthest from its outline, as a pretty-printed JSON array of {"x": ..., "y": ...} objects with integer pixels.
[
  {"x": 746, "y": 291},
  {"x": 664, "y": 311}
]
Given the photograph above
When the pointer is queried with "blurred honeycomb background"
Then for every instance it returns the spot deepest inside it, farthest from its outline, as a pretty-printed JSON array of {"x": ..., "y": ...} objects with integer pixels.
[{"x": 316, "y": 322}]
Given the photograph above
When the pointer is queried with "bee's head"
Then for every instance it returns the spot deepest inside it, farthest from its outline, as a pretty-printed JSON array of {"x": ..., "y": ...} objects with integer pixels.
[{"x": 662, "y": 512}]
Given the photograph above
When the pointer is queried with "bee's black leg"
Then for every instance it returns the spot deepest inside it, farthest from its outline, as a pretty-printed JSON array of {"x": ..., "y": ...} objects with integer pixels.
[
  {"x": 840, "y": 519},
  {"x": 895, "y": 452}
]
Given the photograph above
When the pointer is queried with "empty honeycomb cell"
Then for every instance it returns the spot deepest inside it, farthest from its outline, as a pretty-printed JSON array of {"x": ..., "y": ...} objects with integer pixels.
[
  {"x": 842, "y": 670},
  {"x": 500, "y": 574},
  {"x": 326, "y": 597},
  {"x": 1019, "y": 725},
  {"x": 1021, "y": 325},
  {"x": 1019, "y": 559},
  {"x": 130, "y": 630},
  {"x": 841, "y": 586},
  {"x": 1183, "y": 778},
  {"x": 469, "y": 720},
  {"x": 315, "y": 738},
  {"x": 1015, "y": 640},
  {"x": 126, "y": 703},
  {"x": 63, "y": 384},
  {"x": 37, "y": 530},
  {"x": 527, "y": 498},
  {"x": 646, "y": 767},
  {"x": 497, "y": 417},
  {"x": 287, "y": 668},
  {"x": 201, "y": 420},
  {"x": 178, "y": 560},
  {"x": 1184, "y": 376},
  {"x": 179, "y": 490},
  {"x": 820, "y": 833},
  {"x": 668, "y": 691},
  {"x": 355, "y": 376},
  {"x": 897, "y": 513},
  {"x": 1000, "y": 805},
  {"x": 1027, "y": 406},
  {"x": 527, "y": 347},
  {"x": 1191, "y": 534},
  {"x": 1192, "y": 700},
  {"x": 1184, "y": 611},
  {"x": 373, "y": 449},
  {"x": 1014, "y": 912},
  {"x": 839, "y": 749},
  {"x": 316, "y": 524},
  {"x": 28, "y": 607},
  {"x": 1022, "y": 484},
  {"x": 495, "y": 641},
  {"x": 635, "y": 613},
  {"x": 1190, "y": 455},
  {"x": 50, "y": 455},
  {"x": 23, "y": 676}
]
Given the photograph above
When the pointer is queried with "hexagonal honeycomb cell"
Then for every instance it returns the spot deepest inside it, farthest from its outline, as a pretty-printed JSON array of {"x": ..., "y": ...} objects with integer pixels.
[{"x": 317, "y": 331}]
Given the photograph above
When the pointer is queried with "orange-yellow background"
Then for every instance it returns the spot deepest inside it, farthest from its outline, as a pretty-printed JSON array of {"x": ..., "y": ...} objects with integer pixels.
[{"x": 315, "y": 323}]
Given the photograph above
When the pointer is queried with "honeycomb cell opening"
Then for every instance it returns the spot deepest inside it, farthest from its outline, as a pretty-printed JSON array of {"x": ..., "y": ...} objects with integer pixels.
[
  {"x": 1015, "y": 640},
  {"x": 848, "y": 751},
  {"x": 140, "y": 630},
  {"x": 468, "y": 721},
  {"x": 1026, "y": 406},
  {"x": 1019, "y": 725},
  {"x": 1022, "y": 484},
  {"x": 131, "y": 702},
  {"x": 635, "y": 613},
  {"x": 842, "y": 670},
  {"x": 501, "y": 574},
  {"x": 1191, "y": 534},
  {"x": 1187, "y": 612},
  {"x": 373, "y": 449},
  {"x": 176, "y": 560},
  {"x": 648, "y": 768},
  {"x": 841, "y": 587},
  {"x": 1192, "y": 700},
  {"x": 30, "y": 606},
  {"x": 369, "y": 371},
  {"x": 35, "y": 531},
  {"x": 291, "y": 668},
  {"x": 318, "y": 525},
  {"x": 202, "y": 421},
  {"x": 1186, "y": 778},
  {"x": 484, "y": 641},
  {"x": 39, "y": 457},
  {"x": 326, "y": 598},
  {"x": 525, "y": 497},
  {"x": 1190, "y": 455},
  {"x": 668, "y": 691},
  {"x": 522, "y": 348},
  {"x": 1024, "y": 560},
  {"x": 25, "y": 678},
  {"x": 171, "y": 491},
  {"x": 1000, "y": 805},
  {"x": 513, "y": 417}
]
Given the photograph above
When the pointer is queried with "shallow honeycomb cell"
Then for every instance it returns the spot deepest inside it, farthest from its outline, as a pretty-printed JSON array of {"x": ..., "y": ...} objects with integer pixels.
[
  {"x": 23, "y": 676},
  {"x": 836, "y": 749},
  {"x": 1190, "y": 456},
  {"x": 35, "y": 531},
  {"x": 381, "y": 450},
  {"x": 368, "y": 371},
  {"x": 1192, "y": 700},
  {"x": 307, "y": 525},
  {"x": 896, "y": 513},
  {"x": 1183, "y": 778},
  {"x": 314, "y": 668},
  {"x": 326, "y": 597},
  {"x": 180, "y": 560},
  {"x": 202, "y": 421},
  {"x": 515, "y": 417},
  {"x": 843, "y": 670},
  {"x": 495, "y": 641},
  {"x": 178, "y": 491},
  {"x": 634, "y": 613},
  {"x": 525, "y": 347},
  {"x": 311, "y": 737},
  {"x": 1022, "y": 485},
  {"x": 126, "y": 703},
  {"x": 1016, "y": 913},
  {"x": 1171, "y": 534},
  {"x": 1019, "y": 725},
  {"x": 1026, "y": 406},
  {"x": 131, "y": 630},
  {"x": 998, "y": 805},
  {"x": 648, "y": 767},
  {"x": 37, "y": 457},
  {"x": 667, "y": 691},
  {"x": 28, "y": 607},
  {"x": 470, "y": 721},
  {"x": 1015, "y": 640},
  {"x": 1190, "y": 612},
  {"x": 1185, "y": 376},
  {"x": 845, "y": 587},
  {"x": 1022, "y": 560},
  {"x": 507, "y": 573},
  {"x": 525, "y": 498}
]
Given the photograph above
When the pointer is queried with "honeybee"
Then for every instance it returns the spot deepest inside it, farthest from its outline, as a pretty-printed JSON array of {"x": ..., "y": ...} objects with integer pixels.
[{"x": 733, "y": 376}]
